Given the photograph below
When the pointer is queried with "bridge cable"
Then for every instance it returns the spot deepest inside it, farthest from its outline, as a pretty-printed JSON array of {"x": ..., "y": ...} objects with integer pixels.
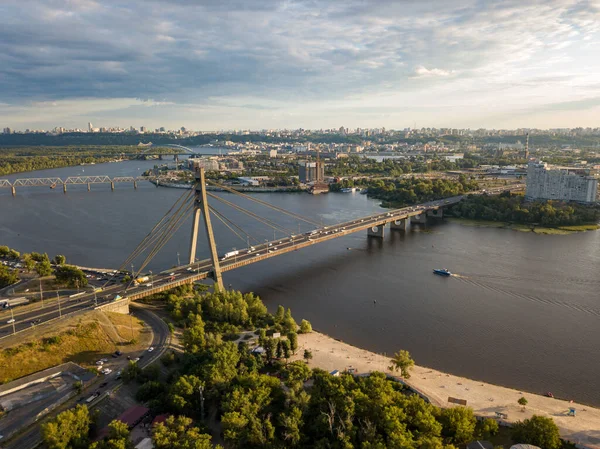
[
  {"x": 263, "y": 220},
  {"x": 227, "y": 221},
  {"x": 174, "y": 226},
  {"x": 156, "y": 230},
  {"x": 264, "y": 203},
  {"x": 221, "y": 218}
]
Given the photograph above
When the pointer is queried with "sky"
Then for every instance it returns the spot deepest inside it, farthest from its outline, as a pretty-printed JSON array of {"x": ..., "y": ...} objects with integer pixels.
[{"x": 314, "y": 64}]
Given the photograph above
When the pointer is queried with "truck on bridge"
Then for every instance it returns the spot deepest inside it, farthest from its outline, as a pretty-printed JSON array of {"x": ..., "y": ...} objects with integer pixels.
[
  {"x": 142, "y": 279},
  {"x": 230, "y": 254}
]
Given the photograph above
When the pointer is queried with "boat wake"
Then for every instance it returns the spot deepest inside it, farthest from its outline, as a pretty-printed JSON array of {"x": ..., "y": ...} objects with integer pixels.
[{"x": 531, "y": 298}]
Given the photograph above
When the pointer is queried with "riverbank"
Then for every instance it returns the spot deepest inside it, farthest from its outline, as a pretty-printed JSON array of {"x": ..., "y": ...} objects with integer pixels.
[
  {"x": 485, "y": 399},
  {"x": 560, "y": 230}
]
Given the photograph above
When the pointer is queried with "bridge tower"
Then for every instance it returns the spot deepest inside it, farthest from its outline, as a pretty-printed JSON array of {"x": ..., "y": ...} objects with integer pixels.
[{"x": 201, "y": 208}]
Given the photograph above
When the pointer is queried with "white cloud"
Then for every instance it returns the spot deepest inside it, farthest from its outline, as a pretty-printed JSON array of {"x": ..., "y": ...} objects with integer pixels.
[
  {"x": 422, "y": 72},
  {"x": 198, "y": 56}
]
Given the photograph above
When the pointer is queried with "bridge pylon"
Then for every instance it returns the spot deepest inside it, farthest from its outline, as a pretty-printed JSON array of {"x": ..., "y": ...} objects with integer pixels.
[{"x": 201, "y": 208}]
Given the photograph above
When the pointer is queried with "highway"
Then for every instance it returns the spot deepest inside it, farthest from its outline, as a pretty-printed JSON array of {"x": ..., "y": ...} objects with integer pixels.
[
  {"x": 230, "y": 260},
  {"x": 32, "y": 437}
]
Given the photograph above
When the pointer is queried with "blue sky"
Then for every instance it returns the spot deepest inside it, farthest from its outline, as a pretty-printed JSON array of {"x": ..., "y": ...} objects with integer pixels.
[{"x": 231, "y": 64}]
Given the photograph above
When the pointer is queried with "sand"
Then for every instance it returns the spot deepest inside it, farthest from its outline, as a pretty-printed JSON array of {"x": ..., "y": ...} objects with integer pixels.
[{"x": 485, "y": 399}]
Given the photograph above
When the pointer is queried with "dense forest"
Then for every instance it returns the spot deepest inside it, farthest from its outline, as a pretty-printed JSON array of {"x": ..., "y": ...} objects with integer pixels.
[
  {"x": 261, "y": 400},
  {"x": 403, "y": 192},
  {"x": 514, "y": 209}
]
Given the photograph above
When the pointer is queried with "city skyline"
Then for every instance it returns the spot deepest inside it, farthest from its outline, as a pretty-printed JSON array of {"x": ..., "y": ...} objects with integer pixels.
[{"x": 290, "y": 65}]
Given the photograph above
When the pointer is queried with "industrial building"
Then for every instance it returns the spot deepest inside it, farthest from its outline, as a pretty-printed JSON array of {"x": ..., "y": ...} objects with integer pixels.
[
  {"x": 559, "y": 184},
  {"x": 311, "y": 171}
]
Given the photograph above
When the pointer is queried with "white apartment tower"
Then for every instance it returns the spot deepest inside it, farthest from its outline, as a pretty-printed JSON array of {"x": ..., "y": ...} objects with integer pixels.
[
  {"x": 559, "y": 184},
  {"x": 90, "y": 127}
]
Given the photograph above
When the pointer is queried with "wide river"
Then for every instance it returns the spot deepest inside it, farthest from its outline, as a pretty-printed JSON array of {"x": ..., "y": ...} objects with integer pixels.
[{"x": 523, "y": 310}]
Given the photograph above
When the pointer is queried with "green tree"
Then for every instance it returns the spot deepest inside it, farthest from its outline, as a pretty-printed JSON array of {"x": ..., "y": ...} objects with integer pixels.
[
  {"x": 185, "y": 392},
  {"x": 403, "y": 362},
  {"x": 279, "y": 315},
  {"x": 70, "y": 276},
  {"x": 179, "y": 433},
  {"x": 289, "y": 324},
  {"x": 4, "y": 251},
  {"x": 28, "y": 261},
  {"x": 286, "y": 349},
  {"x": 193, "y": 337},
  {"x": 68, "y": 430},
  {"x": 59, "y": 259},
  {"x": 487, "y": 428},
  {"x": 44, "y": 268},
  {"x": 539, "y": 431},
  {"x": 523, "y": 402},
  {"x": 131, "y": 372},
  {"x": 7, "y": 276},
  {"x": 118, "y": 437},
  {"x": 305, "y": 327},
  {"x": 293, "y": 338},
  {"x": 458, "y": 424},
  {"x": 307, "y": 355}
]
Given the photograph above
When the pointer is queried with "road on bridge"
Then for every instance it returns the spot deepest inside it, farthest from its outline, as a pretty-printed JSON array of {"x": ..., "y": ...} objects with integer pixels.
[{"x": 200, "y": 270}]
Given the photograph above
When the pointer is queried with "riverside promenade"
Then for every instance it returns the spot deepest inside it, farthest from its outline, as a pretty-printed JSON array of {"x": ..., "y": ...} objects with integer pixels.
[{"x": 485, "y": 399}]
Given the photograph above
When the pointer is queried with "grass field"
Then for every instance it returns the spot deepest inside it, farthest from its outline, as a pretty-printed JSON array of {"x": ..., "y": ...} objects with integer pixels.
[{"x": 82, "y": 340}]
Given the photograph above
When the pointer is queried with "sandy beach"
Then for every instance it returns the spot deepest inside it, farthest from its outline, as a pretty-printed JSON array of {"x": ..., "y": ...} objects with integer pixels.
[{"x": 485, "y": 399}]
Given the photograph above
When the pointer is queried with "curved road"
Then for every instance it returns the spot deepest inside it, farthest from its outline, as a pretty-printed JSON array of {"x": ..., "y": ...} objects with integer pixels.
[{"x": 161, "y": 339}]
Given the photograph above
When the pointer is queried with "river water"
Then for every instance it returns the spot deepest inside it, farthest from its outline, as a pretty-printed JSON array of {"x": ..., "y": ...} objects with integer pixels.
[{"x": 523, "y": 310}]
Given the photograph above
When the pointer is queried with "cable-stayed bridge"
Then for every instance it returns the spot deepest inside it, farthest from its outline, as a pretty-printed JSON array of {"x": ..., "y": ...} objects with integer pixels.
[{"x": 195, "y": 202}]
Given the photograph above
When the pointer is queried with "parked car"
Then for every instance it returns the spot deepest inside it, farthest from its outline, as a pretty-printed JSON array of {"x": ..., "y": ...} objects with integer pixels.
[
  {"x": 100, "y": 362},
  {"x": 12, "y": 320},
  {"x": 151, "y": 348}
]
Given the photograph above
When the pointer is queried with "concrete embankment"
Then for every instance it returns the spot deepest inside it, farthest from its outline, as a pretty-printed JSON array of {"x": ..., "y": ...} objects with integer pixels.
[
  {"x": 235, "y": 187},
  {"x": 485, "y": 399}
]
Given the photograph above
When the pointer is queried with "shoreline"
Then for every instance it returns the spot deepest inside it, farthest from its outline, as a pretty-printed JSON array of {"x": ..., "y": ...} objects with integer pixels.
[
  {"x": 485, "y": 399},
  {"x": 535, "y": 229},
  {"x": 236, "y": 188}
]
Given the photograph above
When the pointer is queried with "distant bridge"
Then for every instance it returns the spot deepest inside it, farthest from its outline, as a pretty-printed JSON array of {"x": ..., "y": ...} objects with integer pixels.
[{"x": 73, "y": 180}]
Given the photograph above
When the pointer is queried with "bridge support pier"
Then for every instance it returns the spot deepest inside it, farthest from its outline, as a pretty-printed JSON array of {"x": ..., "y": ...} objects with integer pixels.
[
  {"x": 419, "y": 219},
  {"x": 14, "y": 191},
  {"x": 201, "y": 206},
  {"x": 112, "y": 185},
  {"x": 376, "y": 231},
  {"x": 399, "y": 225},
  {"x": 89, "y": 187},
  {"x": 135, "y": 185},
  {"x": 64, "y": 188},
  {"x": 436, "y": 213}
]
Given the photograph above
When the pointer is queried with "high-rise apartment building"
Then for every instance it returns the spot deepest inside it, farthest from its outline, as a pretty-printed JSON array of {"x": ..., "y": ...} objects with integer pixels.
[
  {"x": 311, "y": 171},
  {"x": 559, "y": 184},
  {"x": 90, "y": 127}
]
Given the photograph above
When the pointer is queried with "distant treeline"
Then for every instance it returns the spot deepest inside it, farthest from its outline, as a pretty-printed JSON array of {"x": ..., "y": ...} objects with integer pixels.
[
  {"x": 403, "y": 192},
  {"x": 545, "y": 140},
  {"x": 510, "y": 208},
  {"x": 23, "y": 159}
]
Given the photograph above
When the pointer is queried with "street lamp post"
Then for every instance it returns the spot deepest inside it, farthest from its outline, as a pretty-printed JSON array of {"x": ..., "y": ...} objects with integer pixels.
[
  {"x": 234, "y": 255},
  {"x": 41, "y": 294},
  {"x": 12, "y": 320},
  {"x": 178, "y": 262},
  {"x": 151, "y": 279},
  {"x": 58, "y": 299}
]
